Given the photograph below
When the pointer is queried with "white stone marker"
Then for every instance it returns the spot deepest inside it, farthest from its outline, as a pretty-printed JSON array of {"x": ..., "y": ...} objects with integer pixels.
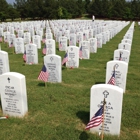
[
  {"x": 99, "y": 40},
  {"x": 62, "y": 43},
  {"x": 49, "y": 36},
  {"x": 50, "y": 46},
  {"x": 27, "y": 37},
  {"x": 126, "y": 41},
  {"x": 73, "y": 57},
  {"x": 122, "y": 55},
  {"x": 36, "y": 40},
  {"x": 13, "y": 94},
  {"x": 113, "y": 109},
  {"x": 31, "y": 54},
  {"x": 125, "y": 46},
  {"x": 79, "y": 37},
  {"x": 4, "y": 62},
  {"x": 93, "y": 45},
  {"x": 12, "y": 40},
  {"x": 85, "y": 49},
  {"x": 19, "y": 45},
  {"x": 72, "y": 40},
  {"x": 53, "y": 66},
  {"x": 121, "y": 69}
]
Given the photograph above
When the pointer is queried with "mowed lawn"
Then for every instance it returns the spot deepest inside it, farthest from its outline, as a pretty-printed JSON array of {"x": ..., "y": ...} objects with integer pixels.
[{"x": 60, "y": 111}]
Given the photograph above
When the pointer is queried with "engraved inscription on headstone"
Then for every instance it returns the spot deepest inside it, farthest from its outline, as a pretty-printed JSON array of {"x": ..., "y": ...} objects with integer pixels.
[
  {"x": 113, "y": 96},
  {"x": 13, "y": 94}
]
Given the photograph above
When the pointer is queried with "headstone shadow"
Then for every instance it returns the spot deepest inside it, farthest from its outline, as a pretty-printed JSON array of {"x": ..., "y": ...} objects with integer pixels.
[
  {"x": 84, "y": 116},
  {"x": 41, "y": 84},
  {"x": 83, "y": 136}
]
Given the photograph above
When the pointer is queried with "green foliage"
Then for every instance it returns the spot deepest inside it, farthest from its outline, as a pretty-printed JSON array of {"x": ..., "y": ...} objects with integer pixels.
[{"x": 56, "y": 9}]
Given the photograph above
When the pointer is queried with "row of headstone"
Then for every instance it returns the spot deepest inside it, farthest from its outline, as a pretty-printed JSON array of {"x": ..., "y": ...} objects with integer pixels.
[
  {"x": 112, "y": 91},
  {"x": 10, "y": 93},
  {"x": 117, "y": 69}
]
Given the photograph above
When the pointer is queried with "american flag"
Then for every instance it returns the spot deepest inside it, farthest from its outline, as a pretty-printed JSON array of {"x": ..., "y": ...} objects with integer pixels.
[
  {"x": 44, "y": 49},
  {"x": 112, "y": 79},
  {"x": 120, "y": 58},
  {"x": 43, "y": 74},
  {"x": 43, "y": 40},
  {"x": 65, "y": 59},
  {"x": 5, "y": 40},
  {"x": 97, "y": 119},
  {"x": 84, "y": 36},
  {"x": 80, "y": 52},
  {"x": 70, "y": 42},
  {"x": 0, "y": 38},
  {"x": 60, "y": 45},
  {"x": 24, "y": 56},
  {"x": 11, "y": 44}
]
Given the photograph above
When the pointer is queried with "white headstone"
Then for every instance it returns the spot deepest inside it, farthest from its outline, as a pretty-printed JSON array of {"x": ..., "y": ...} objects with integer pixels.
[
  {"x": 72, "y": 40},
  {"x": 122, "y": 55},
  {"x": 13, "y": 94},
  {"x": 85, "y": 49},
  {"x": 79, "y": 37},
  {"x": 27, "y": 38},
  {"x": 53, "y": 66},
  {"x": 31, "y": 54},
  {"x": 125, "y": 46},
  {"x": 113, "y": 108},
  {"x": 119, "y": 69},
  {"x": 37, "y": 41},
  {"x": 12, "y": 40},
  {"x": 62, "y": 43},
  {"x": 4, "y": 62},
  {"x": 93, "y": 45},
  {"x": 99, "y": 40},
  {"x": 19, "y": 45},
  {"x": 50, "y": 46},
  {"x": 73, "y": 57}
]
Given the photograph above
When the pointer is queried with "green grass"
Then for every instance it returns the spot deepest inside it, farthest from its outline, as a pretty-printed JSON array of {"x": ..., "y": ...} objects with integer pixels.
[{"x": 61, "y": 111}]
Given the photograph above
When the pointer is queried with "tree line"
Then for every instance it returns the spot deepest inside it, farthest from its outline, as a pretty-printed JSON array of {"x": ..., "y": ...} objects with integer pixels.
[{"x": 67, "y": 9}]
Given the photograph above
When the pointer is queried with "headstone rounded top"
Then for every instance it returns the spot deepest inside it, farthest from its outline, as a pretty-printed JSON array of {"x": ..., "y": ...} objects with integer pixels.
[
  {"x": 16, "y": 74},
  {"x": 4, "y": 52},
  {"x": 113, "y": 87}
]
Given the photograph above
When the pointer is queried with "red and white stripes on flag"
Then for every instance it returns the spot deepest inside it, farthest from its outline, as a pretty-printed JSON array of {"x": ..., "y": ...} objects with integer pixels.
[
  {"x": 65, "y": 59},
  {"x": 43, "y": 74},
  {"x": 80, "y": 52},
  {"x": 44, "y": 49},
  {"x": 112, "y": 79},
  {"x": 1, "y": 39},
  {"x": 24, "y": 56},
  {"x": 97, "y": 119}
]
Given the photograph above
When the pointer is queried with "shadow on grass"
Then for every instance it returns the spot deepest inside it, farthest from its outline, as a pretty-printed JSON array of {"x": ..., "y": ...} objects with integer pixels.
[
  {"x": 84, "y": 116},
  {"x": 41, "y": 84},
  {"x": 83, "y": 136},
  {"x": 64, "y": 68}
]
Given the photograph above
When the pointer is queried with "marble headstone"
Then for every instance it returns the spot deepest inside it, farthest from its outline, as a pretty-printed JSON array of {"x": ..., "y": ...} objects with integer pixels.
[
  {"x": 52, "y": 63},
  {"x": 19, "y": 45},
  {"x": 13, "y": 94},
  {"x": 73, "y": 57},
  {"x": 31, "y": 54},
  {"x": 120, "y": 69},
  {"x": 113, "y": 96},
  {"x": 4, "y": 62},
  {"x": 122, "y": 55}
]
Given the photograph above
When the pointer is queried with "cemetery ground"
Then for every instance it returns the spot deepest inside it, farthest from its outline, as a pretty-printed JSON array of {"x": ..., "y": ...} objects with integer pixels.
[{"x": 61, "y": 111}]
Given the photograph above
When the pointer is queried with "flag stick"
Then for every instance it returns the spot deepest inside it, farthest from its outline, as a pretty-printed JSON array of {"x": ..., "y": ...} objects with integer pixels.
[{"x": 102, "y": 135}]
